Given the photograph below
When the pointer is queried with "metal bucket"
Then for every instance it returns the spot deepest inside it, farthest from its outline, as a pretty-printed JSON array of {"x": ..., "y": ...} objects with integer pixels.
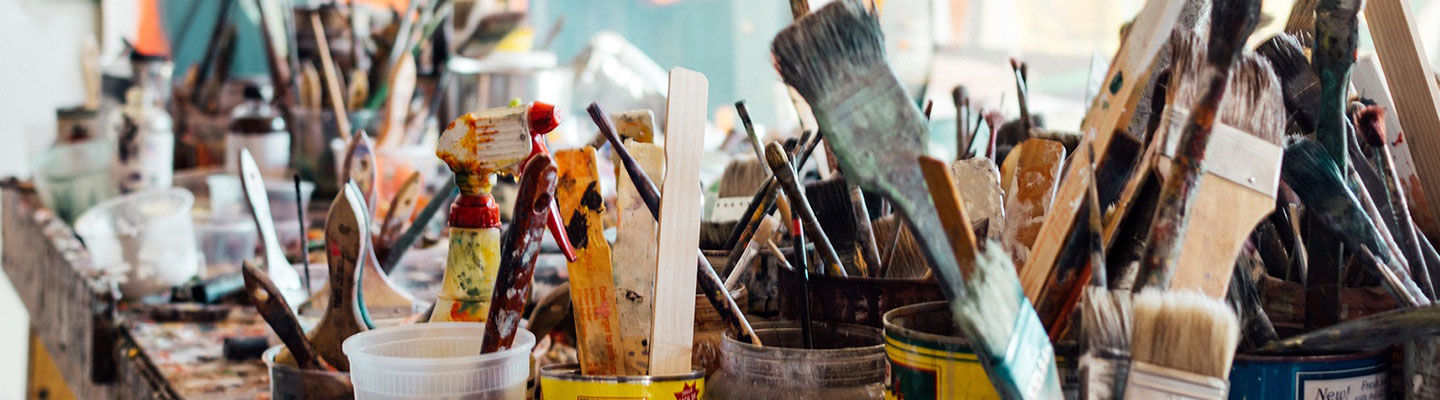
[
  {"x": 928, "y": 357},
  {"x": 1347, "y": 376}
]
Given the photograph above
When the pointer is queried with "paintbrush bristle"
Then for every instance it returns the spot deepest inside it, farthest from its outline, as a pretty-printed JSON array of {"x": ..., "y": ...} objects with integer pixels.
[
  {"x": 742, "y": 177},
  {"x": 847, "y": 36},
  {"x": 1002, "y": 326},
  {"x": 1299, "y": 85},
  {"x": 1105, "y": 321},
  {"x": 1184, "y": 330},
  {"x": 990, "y": 305},
  {"x": 1370, "y": 125},
  {"x": 1187, "y": 59},
  {"x": 830, "y": 200},
  {"x": 1231, "y": 21},
  {"x": 1253, "y": 101}
]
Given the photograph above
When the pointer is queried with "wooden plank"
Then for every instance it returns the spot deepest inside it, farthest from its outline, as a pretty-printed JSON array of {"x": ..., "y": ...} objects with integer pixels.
[
  {"x": 673, "y": 325},
  {"x": 952, "y": 212},
  {"x": 1030, "y": 195},
  {"x": 592, "y": 285},
  {"x": 1411, "y": 82},
  {"x": 1110, "y": 110},
  {"x": 52, "y": 274},
  {"x": 633, "y": 257}
]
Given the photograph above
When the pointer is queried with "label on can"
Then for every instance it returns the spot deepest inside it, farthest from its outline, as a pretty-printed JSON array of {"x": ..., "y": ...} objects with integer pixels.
[
  {"x": 560, "y": 389},
  {"x": 1356, "y": 384},
  {"x": 920, "y": 371}
]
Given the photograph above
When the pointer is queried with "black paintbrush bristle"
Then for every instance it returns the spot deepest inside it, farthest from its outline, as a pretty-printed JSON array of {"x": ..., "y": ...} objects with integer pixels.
[
  {"x": 830, "y": 199},
  {"x": 1297, "y": 78},
  {"x": 848, "y": 37},
  {"x": 1231, "y": 21}
]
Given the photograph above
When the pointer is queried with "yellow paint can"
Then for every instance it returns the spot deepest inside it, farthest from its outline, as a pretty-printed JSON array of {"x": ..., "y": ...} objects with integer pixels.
[
  {"x": 929, "y": 359},
  {"x": 564, "y": 382}
]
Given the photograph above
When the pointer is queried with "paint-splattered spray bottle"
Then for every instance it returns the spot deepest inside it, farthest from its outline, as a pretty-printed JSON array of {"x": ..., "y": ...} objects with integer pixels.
[{"x": 476, "y": 147}]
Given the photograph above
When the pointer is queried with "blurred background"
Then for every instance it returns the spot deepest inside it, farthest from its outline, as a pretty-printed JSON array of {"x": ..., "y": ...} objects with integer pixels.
[{"x": 934, "y": 45}]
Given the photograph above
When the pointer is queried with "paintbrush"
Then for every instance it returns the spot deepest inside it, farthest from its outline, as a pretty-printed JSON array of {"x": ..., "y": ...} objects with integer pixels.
[
  {"x": 402, "y": 205},
  {"x": 991, "y": 310},
  {"x": 332, "y": 78},
  {"x": 780, "y": 165},
  {"x": 518, "y": 249},
  {"x": 1371, "y": 129},
  {"x": 272, "y": 307},
  {"x": 593, "y": 283},
  {"x": 1182, "y": 344},
  {"x": 1297, "y": 79},
  {"x": 1336, "y": 36},
  {"x": 1244, "y": 297},
  {"x": 1301, "y": 22},
  {"x": 765, "y": 202},
  {"x": 962, "y": 121},
  {"x": 1316, "y": 180},
  {"x": 763, "y": 234},
  {"x": 345, "y": 245},
  {"x": 1058, "y": 325},
  {"x": 1105, "y": 316},
  {"x": 1368, "y": 333},
  {"x": 276, "y": 265},
  {"x": 1028, "y": 200},
  {"x": 359, "y": 89},
  {"x": 417, "y": 227},
  {"x": 709, "y": 281},
  {"x": 1232, "y": 23},
  {"x": 304, "y": 234},
  {"x": 277, "y": 57},
  {"x": 397, "y": 105}
]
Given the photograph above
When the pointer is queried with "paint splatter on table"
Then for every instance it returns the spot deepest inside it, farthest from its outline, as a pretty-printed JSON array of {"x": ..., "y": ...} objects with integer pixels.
[{"x": 187, "y": 352}]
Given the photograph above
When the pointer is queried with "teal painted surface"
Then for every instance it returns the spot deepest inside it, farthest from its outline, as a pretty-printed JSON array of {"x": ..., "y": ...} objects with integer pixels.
[{"x": 190, "y": 23}]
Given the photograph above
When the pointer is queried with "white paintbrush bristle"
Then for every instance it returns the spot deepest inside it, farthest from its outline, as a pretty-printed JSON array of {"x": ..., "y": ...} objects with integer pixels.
[
  {"x": 992, "y": 299},
  {"x": 1185, "y": 330}
]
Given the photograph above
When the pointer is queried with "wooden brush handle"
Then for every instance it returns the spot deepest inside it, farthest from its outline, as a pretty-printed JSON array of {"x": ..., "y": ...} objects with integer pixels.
[
  {"x": 518, "y": 248},
  {"x": 359, "y": 166},
  {"x": 709, "y": 280},
  {"x": 272, "y": 307},
  {"x": 332, "y": 79},
  {"x": 952, "y": 212},
  {"x": 345, "y": 247},
  {"x": 417, "y": 227},
  {"x": 780, "y": 165},
  {"x": 1336, "y": 37}
]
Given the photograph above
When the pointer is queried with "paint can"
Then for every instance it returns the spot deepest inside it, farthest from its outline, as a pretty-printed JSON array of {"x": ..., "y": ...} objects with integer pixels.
[
  {"x": 929, "y": 359},
  {"x": 288, "y": 382},
  {"x": 564, "y": 382},
  {"x": 1347, "y": 376}
]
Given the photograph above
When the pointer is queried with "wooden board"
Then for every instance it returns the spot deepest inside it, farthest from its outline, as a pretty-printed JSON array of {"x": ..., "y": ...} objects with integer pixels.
[
  {"x": 592, "y": 286},
  {"x": 1110, "y": 110},
  {"x": 979, "y": 183},
  {"x": 1411, "y": 81},
  {"x": 633, "y": 257},
  {"x": 1029, "y": 196},
  {"x": 678, "y": 237}
]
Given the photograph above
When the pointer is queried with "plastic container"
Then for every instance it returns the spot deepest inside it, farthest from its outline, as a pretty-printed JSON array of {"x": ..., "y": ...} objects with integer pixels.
[
  {"x": 438, "y": 360},
  {"x": 848, "y": 362},
  {"x": 225, "y": 242},
  {"x": 564, "y": 382},
  {"x": 71, "y": 178},
  {"x": 145, "y": 240},
  {"x": 288, "y": 382}
]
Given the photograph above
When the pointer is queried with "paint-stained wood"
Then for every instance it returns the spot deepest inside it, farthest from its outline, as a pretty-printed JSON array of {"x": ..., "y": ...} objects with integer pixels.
[
  {"x": 1109, "y": 111},
  {"x": 634, "y": 254},
  {"x": 1029, "y": 196},
  {"x": 401, "y": 207},
  {"x": 345, "y": 247},
  {"x": 979, "y": 183},
  {"x": 518, "y": 248},
  {"x": 332, "y": 78},
  {"x": 359, "y": 166},
  {"x": 592, "y": 285},
  {"x": 1417, "y": 96},
  {"x": 952, "y": 212},
  {"x": 672, "y": 327},
  {"x": 397, "y": 106},
  {"x": 271, "y": 306},
  {"x": 637, "y": 125}
]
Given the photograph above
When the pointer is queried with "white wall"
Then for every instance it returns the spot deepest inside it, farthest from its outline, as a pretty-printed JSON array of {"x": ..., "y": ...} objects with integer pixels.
[{"x": 39, "y": 72}]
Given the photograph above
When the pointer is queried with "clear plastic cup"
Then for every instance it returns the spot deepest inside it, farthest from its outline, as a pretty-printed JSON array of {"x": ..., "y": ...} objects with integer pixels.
[
  {"x": 145, "y": 240},
  {"x": 439, "y": 360}
]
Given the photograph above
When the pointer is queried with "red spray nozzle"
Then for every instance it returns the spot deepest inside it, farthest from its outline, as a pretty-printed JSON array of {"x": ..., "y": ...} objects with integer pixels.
[{"x": 543, "y": 120}]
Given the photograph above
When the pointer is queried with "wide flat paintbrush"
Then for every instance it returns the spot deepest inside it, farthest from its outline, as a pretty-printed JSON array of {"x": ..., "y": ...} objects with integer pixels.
[
  {"x": 1232, "y": 23},
  {"x": 1297, "y": 79},
  {"x": 780, "y": 164},
  {"x": 519, "y": 246},
  {"x": 1104, "y": 316},
  {"x": 1182, "y": 346},
  {"x": 709, "y": 281}
]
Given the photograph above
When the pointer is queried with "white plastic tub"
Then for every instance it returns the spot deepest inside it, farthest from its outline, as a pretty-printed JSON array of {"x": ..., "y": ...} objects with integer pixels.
[{"x": 439, "y": 360}]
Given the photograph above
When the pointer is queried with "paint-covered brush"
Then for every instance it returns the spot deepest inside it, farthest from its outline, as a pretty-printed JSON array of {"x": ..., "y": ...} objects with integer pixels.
[
  {"x": 709, "y": 281},
  {"x": 1371, "y": 128},
  {"x": 345, "y": 249},
  {"x": 1309, "y": 170},
  {"x": 1027, "y": 200},
  {"x": 1336, "y": 37},
  {"x": 992, "y": 311},
  {"x": 1300, "y": 86},
  {"x": 1368, "y": 333},
  {"x": 634, "y": 252},
  {"x": 271, "y": 306},
  {"x": 780, "y": 164},
  {"x": 279, "y": 268},
  {"x": 768, "y": 227},
  {"x": 402, "y": 205},
  {"x": 382, "y": 297},
  {"x": 359, "y": 166},
  {"x": 1182, "y": 345},
  {"x": 1232, "y": 23},
  {"x": 765, "y": 202},
  {"x": 592, "y": 282},
  {"x": 476, "y": 147},
  {"x": 332, "y": 78},
  {"x": 1104, "y": 315},
  {"x": 518, "y": 249}
]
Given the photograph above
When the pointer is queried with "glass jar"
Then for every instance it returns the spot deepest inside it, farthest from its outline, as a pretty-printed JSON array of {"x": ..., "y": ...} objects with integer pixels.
[
  {"x": 256, "y": 127},
  {"x": 848, "y": 362},
  {"x": 144, "y": 131}
]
